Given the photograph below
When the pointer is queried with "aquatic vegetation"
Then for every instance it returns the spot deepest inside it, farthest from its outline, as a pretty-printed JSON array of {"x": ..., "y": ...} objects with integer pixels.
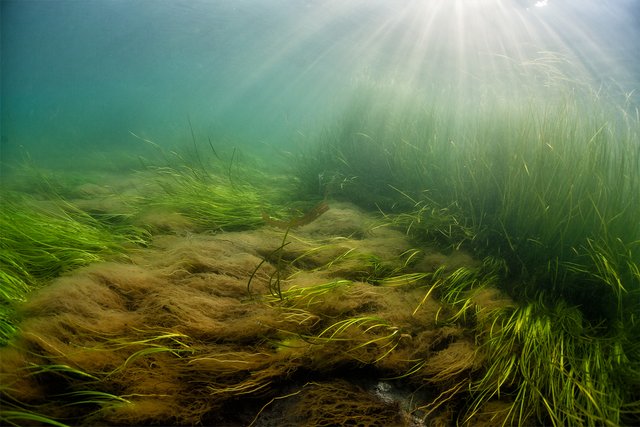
[
  {"x": 21, "y": 417},
  {"x": 172, "y": 337},
  {"x": 238, "y": 309},
  {"x": 74, "y": 390},
  {"x": 428, "y": 223},
  {"x": 307, "y": 218},
  {"x": 374, "y": 331},
  {"x": 28, "y": 177},
  {"x": 550, "y": 195},
  {"x": 342, "y": 403},
  {"x": 276, "y": 277},
  {"x": 572, "y": 387},
  {"x": 215, "y": 196},
  {"x": 175, "y": 337},
  {"x": 46, "y": 241},
  {"x": 41, "y": 240},
  {"x": 211, "y": 206},
  {"x": 309, "y": 295}
]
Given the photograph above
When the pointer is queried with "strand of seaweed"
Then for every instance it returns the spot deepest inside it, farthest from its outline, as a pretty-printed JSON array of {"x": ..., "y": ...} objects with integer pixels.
[{"x": 298, "y": 221}]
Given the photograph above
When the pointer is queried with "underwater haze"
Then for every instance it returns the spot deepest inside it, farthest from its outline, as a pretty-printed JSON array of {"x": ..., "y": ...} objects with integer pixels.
[
  {"x": 283, "y": 213},
  {"x": 81, "y": 75}
]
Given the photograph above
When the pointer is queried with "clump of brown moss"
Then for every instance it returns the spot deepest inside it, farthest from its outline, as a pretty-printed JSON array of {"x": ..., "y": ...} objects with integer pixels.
[
  {"x": 334, "y": 403},
  {"x": 175, "y": 337}
]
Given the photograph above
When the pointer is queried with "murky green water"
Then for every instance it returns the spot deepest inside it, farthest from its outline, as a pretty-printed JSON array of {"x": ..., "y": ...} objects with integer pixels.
[{"x": 320, "y": 213}]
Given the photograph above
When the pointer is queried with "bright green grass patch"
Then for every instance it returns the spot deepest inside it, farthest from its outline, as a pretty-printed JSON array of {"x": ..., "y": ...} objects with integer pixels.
[
  {"x": 547, "y": 361},
  {"x": 212, "y": 205},
  {"x": 40, "y": 240},
  {"x": 221, "y": 195}
]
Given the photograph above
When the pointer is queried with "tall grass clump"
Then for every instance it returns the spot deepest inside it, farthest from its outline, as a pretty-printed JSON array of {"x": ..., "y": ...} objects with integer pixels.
[
  {"x": 557, "y": 195},
  {"x": 40, "y": 240},
  {"x": 553, "y": 190},
  {"x": 377, "y": 148},
  {"x": 210, "y": 205},
  {"x": 559, "y": 200},
  {"x": 220, "y": 192}
]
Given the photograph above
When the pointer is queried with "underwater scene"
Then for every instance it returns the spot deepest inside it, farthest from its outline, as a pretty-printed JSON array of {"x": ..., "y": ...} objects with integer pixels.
[{"x": 320, "y": 213}]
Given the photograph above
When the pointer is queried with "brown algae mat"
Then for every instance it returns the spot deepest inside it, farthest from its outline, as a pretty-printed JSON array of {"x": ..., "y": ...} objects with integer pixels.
[{"x": 252, "y": 328}]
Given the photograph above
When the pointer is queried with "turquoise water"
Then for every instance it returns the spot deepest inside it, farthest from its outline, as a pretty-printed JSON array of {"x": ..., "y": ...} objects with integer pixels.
[
  {"x": 452, "y": 184},
  {"x": 84, "y": 75}
]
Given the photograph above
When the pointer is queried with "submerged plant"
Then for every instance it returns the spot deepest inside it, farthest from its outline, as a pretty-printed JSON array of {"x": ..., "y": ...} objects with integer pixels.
[
  {"x": 307, "y": 218},
  {"x": 361, "y": 333},
  {"x": 553, "y": 192},
  {"x": 41, "y": 240},
  {"x": 210, "y": 205},
  {"x": 275, "y": 278},
  {"x": 21, "y": 417},
  {"x": 222, "y": 192},
  {"x": 574, "y": 384}
]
